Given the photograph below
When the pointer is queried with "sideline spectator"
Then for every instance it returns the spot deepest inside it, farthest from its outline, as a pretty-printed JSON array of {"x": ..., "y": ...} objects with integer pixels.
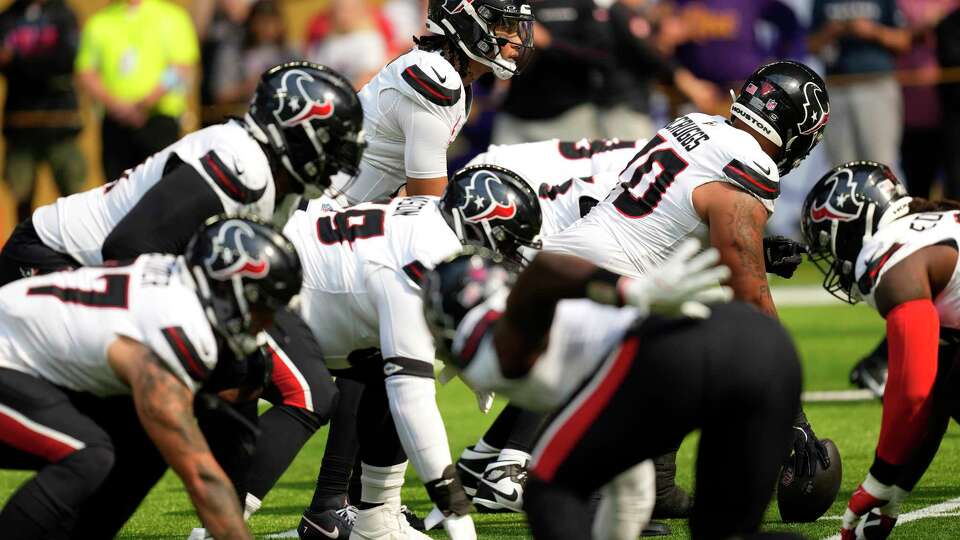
[
  {"x": 354, "y": 41},
  {"x": 38, "y": 44},
  {"x": 948, "y": 54},
  {"x": 218, "y": 22},
  {"x": 922, "y": 149},
  {"x": 238, "y": 66},
  {"x": 136, "y": 58},
  {"x": 721, "y": 40},
  {"x": 861, "y": 37}
]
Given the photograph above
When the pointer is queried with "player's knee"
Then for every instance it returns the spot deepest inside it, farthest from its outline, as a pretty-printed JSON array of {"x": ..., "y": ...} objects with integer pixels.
[
  {"x": 90, "y": 465},
  {"x": 325, "y": 402}
]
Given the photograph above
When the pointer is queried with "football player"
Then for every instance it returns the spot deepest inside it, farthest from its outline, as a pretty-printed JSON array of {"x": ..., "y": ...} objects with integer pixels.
[
  {"x": 899, "y": 254},
  {"x": 367, "y": 261},
  {"x": 416, "y": 105},
  {"x": 304, "y": 124},
  {"x": 546, "y": 347},
  {"x": 717, "y": 179},
  {"x": 99, "y": 368}
]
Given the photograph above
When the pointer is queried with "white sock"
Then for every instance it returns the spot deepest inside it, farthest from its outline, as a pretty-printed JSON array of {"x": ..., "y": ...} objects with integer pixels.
[
  {"x": 511, "y": 454},
  {"x": 381, "y": 485},
  {"x": 250, "y": 506},
  {"x": 483, "y": 446}
]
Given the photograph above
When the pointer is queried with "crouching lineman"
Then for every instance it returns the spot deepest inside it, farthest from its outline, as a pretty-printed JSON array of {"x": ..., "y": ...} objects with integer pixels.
[
  {"x": 362, "y": 269},
  {"x": 530, "y": 342},
  {"x": 874, "y": 243},
  {"x": 75, "y": 347}
]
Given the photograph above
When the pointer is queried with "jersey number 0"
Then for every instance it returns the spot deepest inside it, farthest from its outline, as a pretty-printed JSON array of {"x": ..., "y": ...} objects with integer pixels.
[{"x": 671, "y": 164}]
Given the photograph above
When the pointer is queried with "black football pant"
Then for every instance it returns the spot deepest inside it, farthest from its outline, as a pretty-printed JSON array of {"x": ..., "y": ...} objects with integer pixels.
[
  {"x": 94, "y": 462},
  {"x": 735, "y": 376}
]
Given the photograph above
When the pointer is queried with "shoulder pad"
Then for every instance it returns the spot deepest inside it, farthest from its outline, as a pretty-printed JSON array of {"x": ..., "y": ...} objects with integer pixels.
[
  {"x": 874, "y": 266},
  {"x": 752, "y": 180},
  {"x": 429, "y": 75},
  {"x": 229, "y": 179}
]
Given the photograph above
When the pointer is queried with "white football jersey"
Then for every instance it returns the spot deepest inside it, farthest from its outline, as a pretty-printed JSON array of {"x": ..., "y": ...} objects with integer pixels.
[
  {"x": 225, "y": 155},
  {"x": 58, "y": 326},
  {"x": 569, "y": 177},
  {"x": 412, "y": 110},
  {"x": 361, "y": 268},
  {"x": 898, "y": 240},
  {"x": 574, "y": 350},
  {"x": 651, "y": 210}
]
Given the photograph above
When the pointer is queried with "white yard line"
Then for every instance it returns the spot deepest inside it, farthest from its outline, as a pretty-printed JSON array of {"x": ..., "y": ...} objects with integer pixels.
[
  {"x": 837, "y": 395},
  {"x": 802, "y": 295},
  {"x": 944, "y": 509}
]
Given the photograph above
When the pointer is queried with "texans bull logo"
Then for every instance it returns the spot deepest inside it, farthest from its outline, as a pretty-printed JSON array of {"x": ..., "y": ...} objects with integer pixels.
[
  {"x": 815, "y": 114},
  {"x": 229, "y": 256},
  {"x": 294, "y": 104},
  {"x": 487, "y": 199},
  {"x": 842, "y": 204}
]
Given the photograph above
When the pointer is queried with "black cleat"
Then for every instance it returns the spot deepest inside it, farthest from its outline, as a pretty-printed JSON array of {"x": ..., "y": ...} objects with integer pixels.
[
  {"x": 413, "y": 520},
  {"x": 656, "y": 528},
  {"x": 333, "y": 524},
  {"x": 870, "y": 373}
]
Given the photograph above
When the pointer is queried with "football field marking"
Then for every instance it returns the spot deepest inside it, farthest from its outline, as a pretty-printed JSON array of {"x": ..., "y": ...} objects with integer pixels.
[
  {"x": 944, "y": 509},
  {"x": 802, "y": 295},
  {"x": 837, "y": 395}
]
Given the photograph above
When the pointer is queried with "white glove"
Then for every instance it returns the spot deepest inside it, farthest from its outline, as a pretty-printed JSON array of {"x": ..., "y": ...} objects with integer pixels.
[
  {"x": 682, "y": 285},
  {"x": 484, "y": 400},
  {"x": 460, "y": 527}
]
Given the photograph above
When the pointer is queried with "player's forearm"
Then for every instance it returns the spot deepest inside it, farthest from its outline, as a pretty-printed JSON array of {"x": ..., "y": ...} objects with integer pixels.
[
  {"x": 215, "y": 500},
  {"x": 426, "y": 186}
]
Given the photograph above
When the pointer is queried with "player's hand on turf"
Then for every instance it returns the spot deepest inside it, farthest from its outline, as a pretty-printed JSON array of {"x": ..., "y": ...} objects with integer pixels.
[
  {"x": 460, "y": 527},
  {"x": 683, "y": 285},
  {"x": 782, "y": 256},
  {"x": 880, "y": 502},
  {"x": 807, "y": 450}
]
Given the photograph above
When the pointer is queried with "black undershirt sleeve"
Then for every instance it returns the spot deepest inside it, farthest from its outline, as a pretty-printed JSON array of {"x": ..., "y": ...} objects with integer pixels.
[{"x": 167, "y": 215}]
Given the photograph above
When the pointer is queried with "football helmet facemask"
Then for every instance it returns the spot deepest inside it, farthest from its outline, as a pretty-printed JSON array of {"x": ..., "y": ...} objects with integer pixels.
[
  {"x": 493, "y": 207},
  {"x": 239, "y": 264},
  {"x": 481, "y": 27},
  {"x": 311, "y": 120},
  {"x": 844, "y": 209},
  {"x": 786, "y": 102}
]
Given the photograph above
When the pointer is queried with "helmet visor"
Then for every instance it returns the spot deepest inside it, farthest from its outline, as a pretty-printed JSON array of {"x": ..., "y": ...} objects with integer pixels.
[{"x": 514, "y": 36}]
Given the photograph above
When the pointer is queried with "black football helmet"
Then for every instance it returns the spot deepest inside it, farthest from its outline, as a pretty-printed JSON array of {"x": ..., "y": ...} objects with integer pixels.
[
  {"x": 239, "y": 264},
  {"x": 787, "y": 103},
  {"x": 311, "y": 119},
  {"x": 844, "y": 209},
  {"x": 493, "y": 207},
  {"x": 481, "y": 27},
  {"x": 455, "y": 287}
]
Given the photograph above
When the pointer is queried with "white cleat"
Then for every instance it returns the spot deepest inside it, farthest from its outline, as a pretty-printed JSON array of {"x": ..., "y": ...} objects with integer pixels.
[
  {"x": 501, "y": 488},
  {"x": 385, "y": 522}
]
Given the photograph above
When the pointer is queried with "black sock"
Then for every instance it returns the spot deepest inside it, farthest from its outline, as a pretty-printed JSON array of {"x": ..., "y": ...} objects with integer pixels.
[
  {"x": 342, "y": 448},
  {"x": 525, "y": 430},
  {"x": 499, "y": 431}
]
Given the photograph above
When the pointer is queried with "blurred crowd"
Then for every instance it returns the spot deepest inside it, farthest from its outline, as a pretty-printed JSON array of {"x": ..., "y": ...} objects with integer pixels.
[{"x": 603, "y": 68}]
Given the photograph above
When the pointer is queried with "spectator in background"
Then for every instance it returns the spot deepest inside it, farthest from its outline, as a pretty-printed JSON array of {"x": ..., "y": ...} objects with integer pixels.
[
  {"x": 136, "y": 59},
  {"x": 948, "y": 54},
  {"x": 38, "y": 44},
  {"x": 723, "y": 41},
  {"x": 554, "y": 97},
  {"x": 922, "y": 149},
  {"x": 218, "y": 23},
  {"x": 353, "y": 39},
  {"x": 634, "y": 65},
  {"x": 861, "y": 38},
  {"x": 238, "y": 66}
]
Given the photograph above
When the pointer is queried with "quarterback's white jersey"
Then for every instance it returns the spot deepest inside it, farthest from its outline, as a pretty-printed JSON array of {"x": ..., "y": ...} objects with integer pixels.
[
  {"x": 412, "y": 110},
  {"x": 360, "y": 272},
  {"x": 573, "y": 353},
  {"x": 651, "y": 210},
  {"x": 227, "y": 158},
  {"x": 569, "y": 177},
  {"x": 58, "y": 326},
  {"x": 898, "y": 240}
]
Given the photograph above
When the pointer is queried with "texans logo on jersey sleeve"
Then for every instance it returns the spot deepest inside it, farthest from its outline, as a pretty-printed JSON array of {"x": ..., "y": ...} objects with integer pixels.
[
  {"x": 294, "y": 104},
  {"x": 815, "y": 115},
  {"x": 230, "y": 256},
  {"x": 841, "y": 203},
  {"x": 487, "y": 199}
]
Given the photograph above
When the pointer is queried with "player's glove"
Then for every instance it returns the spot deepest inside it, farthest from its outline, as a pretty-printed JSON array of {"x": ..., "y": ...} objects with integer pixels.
[
  {"x": 807, "y": 450},
  {"x": 882, "y": 504},
  {"x": 681, "y": 286},
  {"x": 782, "y": 256},
  {"x": 452, "y": 506}
]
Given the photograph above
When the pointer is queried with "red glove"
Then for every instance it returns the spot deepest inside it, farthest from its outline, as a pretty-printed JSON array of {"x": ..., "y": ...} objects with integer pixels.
[{"x": 873, "y": 495}]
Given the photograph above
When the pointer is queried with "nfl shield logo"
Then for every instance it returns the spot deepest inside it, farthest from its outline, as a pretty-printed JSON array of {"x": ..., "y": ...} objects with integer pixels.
[{"x": 771, "y": 104}]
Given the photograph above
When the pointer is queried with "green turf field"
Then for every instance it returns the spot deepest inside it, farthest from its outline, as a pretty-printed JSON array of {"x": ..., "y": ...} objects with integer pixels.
[{"x": 829, "y": 338}]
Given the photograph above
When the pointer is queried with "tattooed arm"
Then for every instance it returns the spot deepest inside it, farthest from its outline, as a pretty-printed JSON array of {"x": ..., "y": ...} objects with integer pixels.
[
  {"x": 736, "y": 220},
  {"x": 165, "y": 407}
]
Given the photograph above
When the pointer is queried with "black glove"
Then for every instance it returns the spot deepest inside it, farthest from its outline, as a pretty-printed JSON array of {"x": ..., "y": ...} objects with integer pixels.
[
  {"x": 806, "y": 449},
  {"x": 782, "y": 256}
]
